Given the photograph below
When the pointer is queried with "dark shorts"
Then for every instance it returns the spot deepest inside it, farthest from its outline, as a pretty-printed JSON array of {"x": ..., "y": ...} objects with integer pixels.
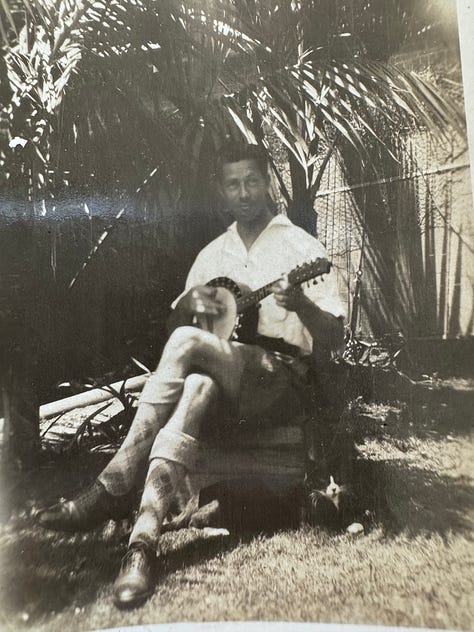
[{"x": 272, "y": 393}]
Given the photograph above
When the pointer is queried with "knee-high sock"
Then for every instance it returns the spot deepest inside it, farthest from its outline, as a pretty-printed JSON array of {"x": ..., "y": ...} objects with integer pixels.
[
  {"x": 159, "y": 396},
  {"x": 173, "y": 453},
  {"x": 156, "y": 404},
  {"x": 161, "y": 485}
]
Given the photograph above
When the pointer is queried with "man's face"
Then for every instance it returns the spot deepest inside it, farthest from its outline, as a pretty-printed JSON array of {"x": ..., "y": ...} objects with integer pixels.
[{"x": 245, "y": 191}]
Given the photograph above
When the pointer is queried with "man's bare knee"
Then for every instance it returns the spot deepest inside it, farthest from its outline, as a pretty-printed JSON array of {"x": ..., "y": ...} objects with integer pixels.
[
  {"x": 201, "y": 385},
  {"x": 197, "y": 399},
  {"x": 184, "y": 342}
]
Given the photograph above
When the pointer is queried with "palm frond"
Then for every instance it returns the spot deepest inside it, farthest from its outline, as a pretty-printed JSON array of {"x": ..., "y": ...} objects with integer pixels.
[
  {"x": 7, "y": 15},
  {"x": 192, "y": 75}
]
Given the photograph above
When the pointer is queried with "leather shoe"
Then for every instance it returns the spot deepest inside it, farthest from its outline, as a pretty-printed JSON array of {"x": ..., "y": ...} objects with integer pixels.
[
  {"x": 85, "y": 512},
  {"x": 134, "y": 584}
]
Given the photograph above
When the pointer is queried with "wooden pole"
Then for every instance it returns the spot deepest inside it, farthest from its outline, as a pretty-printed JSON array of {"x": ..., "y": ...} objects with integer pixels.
[{"x": 94, "y": 396}]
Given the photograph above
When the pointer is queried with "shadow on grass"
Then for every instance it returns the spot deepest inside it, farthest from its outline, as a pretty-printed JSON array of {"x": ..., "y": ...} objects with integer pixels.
[
  {"x": 49, "y": 478},
  {"x": 46, "y": 573},
  {"x": 413, "y": 500},
  {"x": 398, "y": 421},
  {"x": 444, "y": 419},
  {"x": 422, "y": 501},
  {"x": 179, "y": 555},
  {"x": 404, "y": 466},
  {"x": 426, "y": 492}
]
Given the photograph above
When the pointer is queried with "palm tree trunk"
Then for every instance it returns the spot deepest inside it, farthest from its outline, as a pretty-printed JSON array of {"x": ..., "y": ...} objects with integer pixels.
[{"x": 301, "y": 210}]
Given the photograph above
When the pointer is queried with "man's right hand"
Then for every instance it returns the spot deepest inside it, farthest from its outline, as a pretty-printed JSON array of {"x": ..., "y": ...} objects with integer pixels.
[
  {"x": 202, "y": 301},
  {"x": 198, "y": 305}
]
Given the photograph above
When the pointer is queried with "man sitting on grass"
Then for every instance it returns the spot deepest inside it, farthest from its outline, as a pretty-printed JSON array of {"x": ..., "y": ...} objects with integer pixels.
[{"x": 198, "y": 369}]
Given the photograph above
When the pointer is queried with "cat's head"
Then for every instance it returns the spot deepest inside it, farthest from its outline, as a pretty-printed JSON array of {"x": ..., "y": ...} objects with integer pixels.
[
  {"x": 333, "y": 489},
  {"x": 329, "y": 506}
]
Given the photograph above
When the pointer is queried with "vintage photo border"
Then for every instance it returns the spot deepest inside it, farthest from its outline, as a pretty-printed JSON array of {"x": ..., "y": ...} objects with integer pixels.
[{"x": 465, "y": 10}]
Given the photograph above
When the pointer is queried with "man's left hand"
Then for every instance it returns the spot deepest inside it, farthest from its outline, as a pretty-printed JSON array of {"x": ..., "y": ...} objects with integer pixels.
[{"x": 288, "y": 296}]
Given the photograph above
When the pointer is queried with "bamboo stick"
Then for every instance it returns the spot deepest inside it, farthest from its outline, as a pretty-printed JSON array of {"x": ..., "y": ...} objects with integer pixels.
[{"x": 94, "y": 396}]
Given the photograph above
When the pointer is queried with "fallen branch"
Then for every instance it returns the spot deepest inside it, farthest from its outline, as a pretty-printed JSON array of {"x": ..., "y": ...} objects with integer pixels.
[{"x": 93, "y": 396}]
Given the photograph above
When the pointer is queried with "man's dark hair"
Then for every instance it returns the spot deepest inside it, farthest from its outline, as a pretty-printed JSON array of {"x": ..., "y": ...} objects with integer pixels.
[{"x": 235, "y": 152}]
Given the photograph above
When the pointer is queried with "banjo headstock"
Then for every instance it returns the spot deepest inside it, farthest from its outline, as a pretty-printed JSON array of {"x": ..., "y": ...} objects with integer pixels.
[{"x": 309, "y": 270}]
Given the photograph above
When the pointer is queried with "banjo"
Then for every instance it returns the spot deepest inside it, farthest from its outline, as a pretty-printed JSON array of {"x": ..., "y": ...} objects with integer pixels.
[{"x": 239, "y": 317}]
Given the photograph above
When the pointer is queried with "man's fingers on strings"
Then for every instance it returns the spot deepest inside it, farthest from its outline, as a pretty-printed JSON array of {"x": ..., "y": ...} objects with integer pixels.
[
  {"x": 282, "y": 289},
  {"x": 287, "y": 295}
]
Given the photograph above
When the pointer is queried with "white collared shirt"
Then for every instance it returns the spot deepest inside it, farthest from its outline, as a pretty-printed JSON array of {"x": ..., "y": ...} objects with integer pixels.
[{"x": 279, "y": 248}]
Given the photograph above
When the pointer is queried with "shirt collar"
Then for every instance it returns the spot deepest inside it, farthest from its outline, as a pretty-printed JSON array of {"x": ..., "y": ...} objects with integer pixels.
[{"x": 278, "y": 220}]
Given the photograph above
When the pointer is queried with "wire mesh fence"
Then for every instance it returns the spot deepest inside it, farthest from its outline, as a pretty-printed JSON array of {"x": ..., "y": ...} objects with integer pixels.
[{"x": 417, "y": 223}]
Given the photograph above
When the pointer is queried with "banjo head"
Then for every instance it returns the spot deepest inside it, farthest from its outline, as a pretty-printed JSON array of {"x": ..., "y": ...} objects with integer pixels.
[
  {"x": 225, "y": 325},
  {"x": 226, "y": 283},
  {"x": 222, "y": 326}
]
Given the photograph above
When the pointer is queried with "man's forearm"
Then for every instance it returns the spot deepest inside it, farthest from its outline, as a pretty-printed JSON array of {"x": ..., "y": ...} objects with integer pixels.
[{"x": 325, "y": 329}]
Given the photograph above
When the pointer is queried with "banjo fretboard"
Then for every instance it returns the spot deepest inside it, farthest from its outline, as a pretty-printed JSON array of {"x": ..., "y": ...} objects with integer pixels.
[{"x": 302, "y": 273}]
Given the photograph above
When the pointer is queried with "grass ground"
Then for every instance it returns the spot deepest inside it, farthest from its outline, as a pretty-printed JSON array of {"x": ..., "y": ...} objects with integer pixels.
[{"x": 413, "y": 567}]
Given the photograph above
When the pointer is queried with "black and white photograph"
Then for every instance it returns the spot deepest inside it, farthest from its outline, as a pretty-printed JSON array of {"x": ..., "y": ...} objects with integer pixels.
[{"x": 236, "y": 316}]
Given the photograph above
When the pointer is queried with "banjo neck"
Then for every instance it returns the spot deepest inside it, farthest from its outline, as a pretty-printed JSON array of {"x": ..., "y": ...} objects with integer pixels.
[
  {"x": 300, "y": 274},
  {"x": 252, "y": 298}
]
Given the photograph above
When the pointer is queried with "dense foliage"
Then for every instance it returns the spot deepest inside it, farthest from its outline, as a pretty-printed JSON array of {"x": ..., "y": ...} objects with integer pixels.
[{"x": 99, "y": 94}]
